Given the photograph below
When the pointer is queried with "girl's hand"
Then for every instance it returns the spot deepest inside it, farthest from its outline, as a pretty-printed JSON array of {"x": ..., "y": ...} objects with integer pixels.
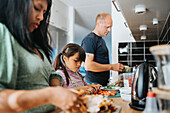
[
  {"x": 89, "y": 90},
  {"x": 86, "y": 89},
  {"x": 64, "y": 98},
  {"x": 96, "y": 87}
]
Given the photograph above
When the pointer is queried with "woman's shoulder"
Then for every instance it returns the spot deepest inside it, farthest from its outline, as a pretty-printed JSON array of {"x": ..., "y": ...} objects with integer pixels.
[
  {"x": 5, "y": 34},
  {"x": 3, "y": 30}
]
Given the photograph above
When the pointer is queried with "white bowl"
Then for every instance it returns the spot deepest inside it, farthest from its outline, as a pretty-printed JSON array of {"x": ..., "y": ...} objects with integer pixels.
[
  {"x": 126, "y": 97},
  {"x": 125, "y": 93}
]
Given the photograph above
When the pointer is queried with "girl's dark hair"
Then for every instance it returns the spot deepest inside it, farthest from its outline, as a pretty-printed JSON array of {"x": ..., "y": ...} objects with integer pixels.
[
  {"x": 68, "y": 51},
  {"x": 15, "y": 15}
]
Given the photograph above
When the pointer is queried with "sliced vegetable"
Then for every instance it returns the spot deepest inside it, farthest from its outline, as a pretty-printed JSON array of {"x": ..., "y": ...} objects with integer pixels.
[{"x": 106, "y": 93}]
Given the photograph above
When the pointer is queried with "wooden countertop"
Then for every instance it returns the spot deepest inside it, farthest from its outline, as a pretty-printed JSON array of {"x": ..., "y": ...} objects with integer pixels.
[{"x": 125, "y": 108}]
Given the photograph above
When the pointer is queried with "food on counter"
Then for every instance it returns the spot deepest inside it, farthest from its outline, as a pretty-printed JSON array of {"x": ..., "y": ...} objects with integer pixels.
[
  {"x": 94, "y": 104},
  {"x": 130, "y": 81},
  {"x": 112, "y": 87},
  {"x": 106, "y": 93}
]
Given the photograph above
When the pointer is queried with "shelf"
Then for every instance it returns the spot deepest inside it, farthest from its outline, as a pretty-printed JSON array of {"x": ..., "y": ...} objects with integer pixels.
[
  {"x": 136, "y": 48},
  {"x": 140, "y": 48},
  {"x": 123, "y": 54},
  {"x": 136, "y": 53},
  {"x": 135, "y": 61}
]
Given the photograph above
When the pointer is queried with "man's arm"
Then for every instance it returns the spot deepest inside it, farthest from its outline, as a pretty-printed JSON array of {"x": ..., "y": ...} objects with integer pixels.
[
  {"x": 13, "y": 101},
  {"x": 90, "y": 65}
]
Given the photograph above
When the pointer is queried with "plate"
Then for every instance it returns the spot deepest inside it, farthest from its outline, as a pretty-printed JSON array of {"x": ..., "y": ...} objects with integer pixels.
[{"x": 111, "y": 89}]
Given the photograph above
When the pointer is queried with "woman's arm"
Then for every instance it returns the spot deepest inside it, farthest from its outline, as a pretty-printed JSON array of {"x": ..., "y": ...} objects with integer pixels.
[
  {"x": 55, "y": 82},
  {"x": 18, "y": 101}
]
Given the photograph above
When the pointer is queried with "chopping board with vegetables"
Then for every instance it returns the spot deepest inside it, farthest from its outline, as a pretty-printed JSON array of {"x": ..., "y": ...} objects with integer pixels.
[{"x": 108, "y": 91}]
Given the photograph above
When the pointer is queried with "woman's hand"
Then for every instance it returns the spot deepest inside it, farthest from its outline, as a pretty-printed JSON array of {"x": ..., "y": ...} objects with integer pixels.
[{"x": 64, "y": 98}]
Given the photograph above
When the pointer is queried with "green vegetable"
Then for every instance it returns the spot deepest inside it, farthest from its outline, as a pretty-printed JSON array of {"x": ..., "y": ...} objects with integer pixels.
[
  {"x": 110, "y": 86},
  {"x": 127, "y": 69}
]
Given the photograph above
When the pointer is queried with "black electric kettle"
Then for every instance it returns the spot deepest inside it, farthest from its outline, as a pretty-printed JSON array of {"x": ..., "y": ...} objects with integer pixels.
[{"x": 144, "y": 80}]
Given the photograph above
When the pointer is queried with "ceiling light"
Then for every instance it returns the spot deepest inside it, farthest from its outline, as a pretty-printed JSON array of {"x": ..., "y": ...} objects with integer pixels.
[
  {"x": 155, "y": 21},
  {"x": 143, "y": 27},
  {"x": 140, "y": 9},
  {"x": 143, "y": 37}
]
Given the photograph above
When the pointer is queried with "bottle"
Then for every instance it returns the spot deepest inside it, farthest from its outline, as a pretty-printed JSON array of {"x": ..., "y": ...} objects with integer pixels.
[{"x": 151, "y": 104}]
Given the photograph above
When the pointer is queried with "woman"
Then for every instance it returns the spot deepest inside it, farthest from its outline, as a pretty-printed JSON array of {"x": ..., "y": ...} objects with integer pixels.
[
  {"x": 25, "y": 59},
  {"x": 67, "y": 64}
]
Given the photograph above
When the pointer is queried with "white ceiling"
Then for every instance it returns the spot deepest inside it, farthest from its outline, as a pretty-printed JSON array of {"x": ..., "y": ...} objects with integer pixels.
[
  {"x": 86, "y": 11},
  {"x": 155, "y": 9}
]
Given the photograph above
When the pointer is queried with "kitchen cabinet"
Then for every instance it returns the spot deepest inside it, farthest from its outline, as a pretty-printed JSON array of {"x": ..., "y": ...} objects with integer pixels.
[
  {"x": 134, "y": 53},
  {"x": 57, "y": 18}
]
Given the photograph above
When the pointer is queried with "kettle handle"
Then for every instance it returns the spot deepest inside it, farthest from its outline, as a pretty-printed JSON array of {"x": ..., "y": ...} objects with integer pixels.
[{"x": 154, "y": 76}]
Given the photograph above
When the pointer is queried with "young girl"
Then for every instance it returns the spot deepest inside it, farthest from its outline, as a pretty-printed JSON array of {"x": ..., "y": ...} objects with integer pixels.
[
  {"x": 67, "y": 64},
  {"x": 25, "y": 67}
]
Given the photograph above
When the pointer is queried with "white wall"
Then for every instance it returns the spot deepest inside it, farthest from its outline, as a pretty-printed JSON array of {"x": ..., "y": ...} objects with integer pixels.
[
  {"x": 71, "y": 22},
  {"x": 80, "y": 33},
  {"x": 120, "y": 33}
]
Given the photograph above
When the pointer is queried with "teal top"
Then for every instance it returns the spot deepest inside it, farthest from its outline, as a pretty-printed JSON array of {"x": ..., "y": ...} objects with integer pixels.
[{"x": 23, "y": 70}]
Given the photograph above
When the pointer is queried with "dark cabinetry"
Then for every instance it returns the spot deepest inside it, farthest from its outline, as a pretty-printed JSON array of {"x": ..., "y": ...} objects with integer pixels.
[{"x": 134, "y": 53}]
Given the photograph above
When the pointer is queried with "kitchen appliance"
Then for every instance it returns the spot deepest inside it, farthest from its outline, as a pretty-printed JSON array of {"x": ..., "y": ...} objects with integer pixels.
[{"x": 143, "y": 81}]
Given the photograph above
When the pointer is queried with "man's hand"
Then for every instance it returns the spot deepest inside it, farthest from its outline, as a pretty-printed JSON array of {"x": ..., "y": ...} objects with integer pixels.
[{"x": 117, "y": 67}]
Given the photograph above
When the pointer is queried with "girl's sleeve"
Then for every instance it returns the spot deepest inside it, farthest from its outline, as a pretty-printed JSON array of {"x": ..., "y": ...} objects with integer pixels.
[
  {"x": 8, "y": 59},
  {"x": 56, "y": 75},
  {"x": 63, "y": 77}
]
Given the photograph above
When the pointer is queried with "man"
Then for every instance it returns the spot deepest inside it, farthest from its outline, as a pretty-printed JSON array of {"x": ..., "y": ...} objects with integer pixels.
[{"x": 97, "y": 58}]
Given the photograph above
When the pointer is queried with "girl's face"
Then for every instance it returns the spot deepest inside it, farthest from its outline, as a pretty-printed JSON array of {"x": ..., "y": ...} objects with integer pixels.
[
  {"x": 37, "y": 13},
  {"x": 72, "y": 62}
]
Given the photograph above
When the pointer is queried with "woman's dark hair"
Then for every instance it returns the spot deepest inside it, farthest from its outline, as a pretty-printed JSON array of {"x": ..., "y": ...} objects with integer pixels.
[
  {"x": 68, "y": 51},
  {"x": 15, "y": 15}
]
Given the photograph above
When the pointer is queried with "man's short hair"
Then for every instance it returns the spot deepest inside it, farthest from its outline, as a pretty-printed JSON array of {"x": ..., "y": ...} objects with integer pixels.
[{"x": 101, "y": 16}]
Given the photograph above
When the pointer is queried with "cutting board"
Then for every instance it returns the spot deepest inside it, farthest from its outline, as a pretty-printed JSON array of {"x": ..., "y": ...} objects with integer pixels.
[{"x": 117, "y": 95}]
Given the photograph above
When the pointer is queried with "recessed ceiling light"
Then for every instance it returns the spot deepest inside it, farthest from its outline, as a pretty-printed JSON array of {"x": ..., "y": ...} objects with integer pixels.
[
  {"x": 143, "y": 37},
  {"x": 155, "y": 21},
  {"x": 140, "y": 9},
  {"x": 143, "y": 27}
]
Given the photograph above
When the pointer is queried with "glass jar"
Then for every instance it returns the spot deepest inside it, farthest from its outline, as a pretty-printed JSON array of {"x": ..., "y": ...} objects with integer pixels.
[{"x": 162, "y": 56}]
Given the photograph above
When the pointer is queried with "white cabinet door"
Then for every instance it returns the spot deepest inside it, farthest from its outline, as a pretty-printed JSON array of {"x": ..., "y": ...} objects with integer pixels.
[{"x": 57, "y": 19}]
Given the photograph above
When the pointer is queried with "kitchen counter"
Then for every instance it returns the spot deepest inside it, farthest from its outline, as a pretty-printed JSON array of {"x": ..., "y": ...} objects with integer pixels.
[{"x": 125, "y": 108}]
